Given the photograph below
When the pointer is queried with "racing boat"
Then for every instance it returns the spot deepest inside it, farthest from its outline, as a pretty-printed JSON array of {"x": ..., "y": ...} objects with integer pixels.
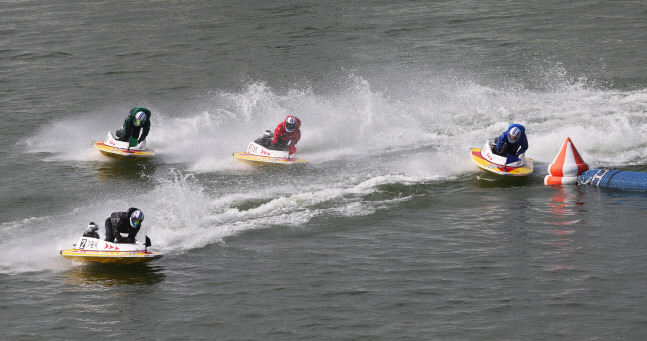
[
  {"x": 259, "y": 154},
  {"x": 90, "y": 248},
  {"x": 488, "y": 161},
  {"x": 123, "y": 149}
]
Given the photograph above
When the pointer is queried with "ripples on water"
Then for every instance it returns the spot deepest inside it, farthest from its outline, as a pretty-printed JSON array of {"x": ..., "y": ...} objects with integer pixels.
[{"x": 389, "y": 233}]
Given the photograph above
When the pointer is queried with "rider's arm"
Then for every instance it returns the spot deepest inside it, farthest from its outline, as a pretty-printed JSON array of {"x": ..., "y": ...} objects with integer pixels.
[
  {"x": 127, "y": 129},
  {"x": 502, "y": 139},
  {"x": 146, "y": 128},
  {"x": 277, "y": 133},
  {"x": 523, "y": 142},
  {"x": 296, "y": 138}
]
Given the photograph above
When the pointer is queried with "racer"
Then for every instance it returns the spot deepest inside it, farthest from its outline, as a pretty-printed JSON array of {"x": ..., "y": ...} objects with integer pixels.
[
  {"x": 124, "y": 222},
  {"x": 286, "y": 135},
  {"x": 512, "y": 141},
  {"x": 136, "y": 125}
]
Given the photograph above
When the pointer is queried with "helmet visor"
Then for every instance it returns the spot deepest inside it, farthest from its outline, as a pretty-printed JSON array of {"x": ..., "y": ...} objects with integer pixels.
[
  {"x": 514, "y": 134},
  {"x": 135, "y": 222},
  {"x": 140, "y": 118},
  {"x": 136, "y": 219},
  {"x": 290, "y": 127}
]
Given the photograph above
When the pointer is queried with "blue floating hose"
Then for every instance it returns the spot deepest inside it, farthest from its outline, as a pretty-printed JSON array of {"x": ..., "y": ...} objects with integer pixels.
[{"x": 611, "y": 178}]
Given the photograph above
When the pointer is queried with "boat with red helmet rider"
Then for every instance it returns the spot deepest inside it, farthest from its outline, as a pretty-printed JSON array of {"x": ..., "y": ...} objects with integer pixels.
[{"x": 275, "y": 148}]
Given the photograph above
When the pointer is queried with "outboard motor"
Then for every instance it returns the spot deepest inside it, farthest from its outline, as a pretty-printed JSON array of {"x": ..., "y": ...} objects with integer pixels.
[
  {"x": 266, "y": 139},
  {"x": 91, "y": 231}
]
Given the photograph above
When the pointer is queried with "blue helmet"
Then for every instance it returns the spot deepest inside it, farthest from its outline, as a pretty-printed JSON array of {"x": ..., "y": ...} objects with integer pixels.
[
  {"x": 514, "y": 134},
  {"x": 140, "y": 118},
  {"x": 290, "y": 124},
  {"x": 136, "y": 218}
]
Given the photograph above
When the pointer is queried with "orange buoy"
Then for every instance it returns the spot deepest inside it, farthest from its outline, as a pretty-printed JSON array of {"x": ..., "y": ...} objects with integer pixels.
[{"x": 566, "y": 167}]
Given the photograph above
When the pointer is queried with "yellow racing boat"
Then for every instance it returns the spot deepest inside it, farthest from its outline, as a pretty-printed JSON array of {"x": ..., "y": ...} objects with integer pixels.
[
  {"x": 259, "y": 155},
  {"x": 486, "y": 160},
  {"x": 122, "y": 149},
  {"x": 90, "y": 248}
]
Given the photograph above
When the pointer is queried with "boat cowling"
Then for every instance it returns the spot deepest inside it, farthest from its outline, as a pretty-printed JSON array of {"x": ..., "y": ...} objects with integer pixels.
[
  {"x": 256, "y": 149},
  {"x": 95, "y": 244},
  {"x": 113, "y": 142},
  {"x": 487, "y": 154}
]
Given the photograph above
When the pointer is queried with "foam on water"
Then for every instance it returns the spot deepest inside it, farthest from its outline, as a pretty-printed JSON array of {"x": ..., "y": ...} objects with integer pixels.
[
  {"x": 358, "y": 137},
  {"x": 191, "y": 218},
  {"x": 354, "y": 120},
  {"x": 182, "y": 215},
  {"x": 357, "y": 121}
]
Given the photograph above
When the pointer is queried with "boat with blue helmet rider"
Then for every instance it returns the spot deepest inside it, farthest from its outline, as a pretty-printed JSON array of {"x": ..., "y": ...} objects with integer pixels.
[{"x": 505, "y": 155}]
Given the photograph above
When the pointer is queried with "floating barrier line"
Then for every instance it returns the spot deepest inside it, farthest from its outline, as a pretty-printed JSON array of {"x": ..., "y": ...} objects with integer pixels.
[{"x": 612, "y": 178}]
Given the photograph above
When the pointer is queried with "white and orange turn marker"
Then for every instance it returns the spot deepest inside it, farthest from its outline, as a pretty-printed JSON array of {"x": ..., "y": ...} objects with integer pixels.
[{"x": 568, "y": 164}]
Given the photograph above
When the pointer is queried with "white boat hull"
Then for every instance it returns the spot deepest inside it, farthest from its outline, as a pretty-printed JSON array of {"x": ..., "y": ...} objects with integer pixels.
[
  {"x": 121, "y": 149},
  {"x": 89, "y": 249},
  {"x": 259, "y": 155}
]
